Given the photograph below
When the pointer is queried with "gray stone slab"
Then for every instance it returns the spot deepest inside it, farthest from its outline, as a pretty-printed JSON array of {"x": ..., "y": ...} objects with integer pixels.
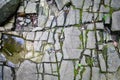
[
  {"x": 113, "y": 59},
  {"x": 115, "y": 4},
  {"x": 61, "y": 3},
  {"x": 27, "y": 71},
  {"x": 115, "y": 21},
  {"x": 77, "y": 3},
  {"x": 30, "y": 36},
  {"x": 86, "y": 74},
  {"x": 8, "y": 73},
  {"x": 67, "y": 70},
  {"x": 31, "y": 8},
  {"x": 102, "y": 63},
  {"x": 73, "y": 17},
  {"x": 87, "y": 17},
  {"x": 60, "y": 19},
  {"x": 91, "y": 40},
  {"x": 95, "y": 73}
]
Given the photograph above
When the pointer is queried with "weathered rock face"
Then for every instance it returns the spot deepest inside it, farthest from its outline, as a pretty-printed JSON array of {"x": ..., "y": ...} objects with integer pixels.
[
  {"x": 115, "y": 21},
  {"x": 7, "y": 8}
]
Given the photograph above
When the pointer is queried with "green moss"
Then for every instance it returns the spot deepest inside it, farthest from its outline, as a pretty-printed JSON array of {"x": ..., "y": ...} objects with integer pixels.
[
  {"x": 89, "y": 61},
  {"x": 104, "y": 52}
]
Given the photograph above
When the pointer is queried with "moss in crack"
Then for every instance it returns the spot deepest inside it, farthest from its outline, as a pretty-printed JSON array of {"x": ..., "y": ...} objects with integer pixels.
[
  {"x": 89, "y": 61},
  {"x": 104, "y": 52},
  {"x": 82, "y": 41}
]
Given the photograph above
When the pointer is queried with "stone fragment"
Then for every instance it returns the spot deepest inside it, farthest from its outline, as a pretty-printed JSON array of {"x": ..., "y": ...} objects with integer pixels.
[
  {"x": 91, "y": 37},
  {"x": 30, "y": 36},
  {"x": 113, "y": 59},
  {"x": 102, "y": 63},
  {"x": 30, "y": 8},
  {"x": 87, "y": 17},
  {"x": 87, "y": 52},
  {"x": 72, "y": 17},
  {"x": 86, "y": 74},
  {"x": 77, "y": 3},
  {"x": 99, "y": 25},
  {"x": 27, "y": 71},
  {"x": 67, "y": 70},
  {"x": 8, "y": 73},
  {"x": 104, "y": 9},
  {"x": 60, "y": 19},
  {"x": 49, "y": 22},
  {"x": 95, "y": 73},
  {"x": 61, "y": 3},
  {"x": 115, "y": 4},
  {"x": 115, "y": 21}
]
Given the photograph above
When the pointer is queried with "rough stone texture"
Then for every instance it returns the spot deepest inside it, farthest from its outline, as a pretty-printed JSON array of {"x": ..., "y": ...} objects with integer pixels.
[
  {"x": 115, "y": 4},
  {"x": 27, "y": 71},
  {"x": 7, "y": 8},
  {"x": 91, "y": 37},
  {"x": 115, "y": 21},
  {"x": 102, "y": 63},
  {"x": 77, "y": 4},
  {"x": 113, "y": 59},
  {"x": 95, "y": 73},
  {"x": 63, "y": 41}
]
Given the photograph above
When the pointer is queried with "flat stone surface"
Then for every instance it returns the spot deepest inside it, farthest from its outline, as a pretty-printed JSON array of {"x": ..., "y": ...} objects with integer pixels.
[
  {"x": 102, "y": 63},
  {"x": 27, "y": 71},
  {"x": 86, "y": 74},
  {"x": 8, "y": 73},
  {"x": 95, "y": 73},
  {"x": 115, "y": 21},
  {"x": 113, "y": 59},
  {"x": 77, "y": 4},
  {"x": 66, "y": 72},
  {"x": 31, "y": 8},
  {"x": 91, "y": 37},
  {"x": 115, "y": 4}
]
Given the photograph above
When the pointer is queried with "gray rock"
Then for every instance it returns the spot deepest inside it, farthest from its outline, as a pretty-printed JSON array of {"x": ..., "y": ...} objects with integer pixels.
[
  {"x": 41, "y": 21},
  {"x": 49, "y": 22},
  {"x": 111, "y": 76},
  {"x": 113, "y": 59},
  {"x": 31, "y": 8},
  {"x": 87, "y": 52},
  {"x": 91, "y": 37},
  {"x": 7, "y": 8},
  {"x": 30, "y": 36},
  {"x": 87, "y": 17},
  {"x": 44, "y": 36},
  {"x": 49, "y": 77},
  {"x": 67, "y": 70},
  {"x": 115, "y": 4},
  {"x": 87, "y": 4},
  {"x": 103, "y": 77},
  {"x": 7, "y": 73},
  {"x": 115, "y": 21},
  {"x": 99, "y": 25},
  {"x": 104, "y": 9},
  {"x": 61, "y": 3},
  {"x": 102, "y": 63},
  {"x": 95, "y": 73},
  {"x": 73, "y": 17},
  {"x": 60, "y": 19},
  {"x": 86, "y": 74},
  {"x": 77, "y": 3},
  {"x": 27, "y": 71}
]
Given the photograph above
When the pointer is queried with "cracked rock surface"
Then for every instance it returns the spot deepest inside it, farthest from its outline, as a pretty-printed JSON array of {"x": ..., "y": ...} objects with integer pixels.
[{"x": 61, "y": 40}]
